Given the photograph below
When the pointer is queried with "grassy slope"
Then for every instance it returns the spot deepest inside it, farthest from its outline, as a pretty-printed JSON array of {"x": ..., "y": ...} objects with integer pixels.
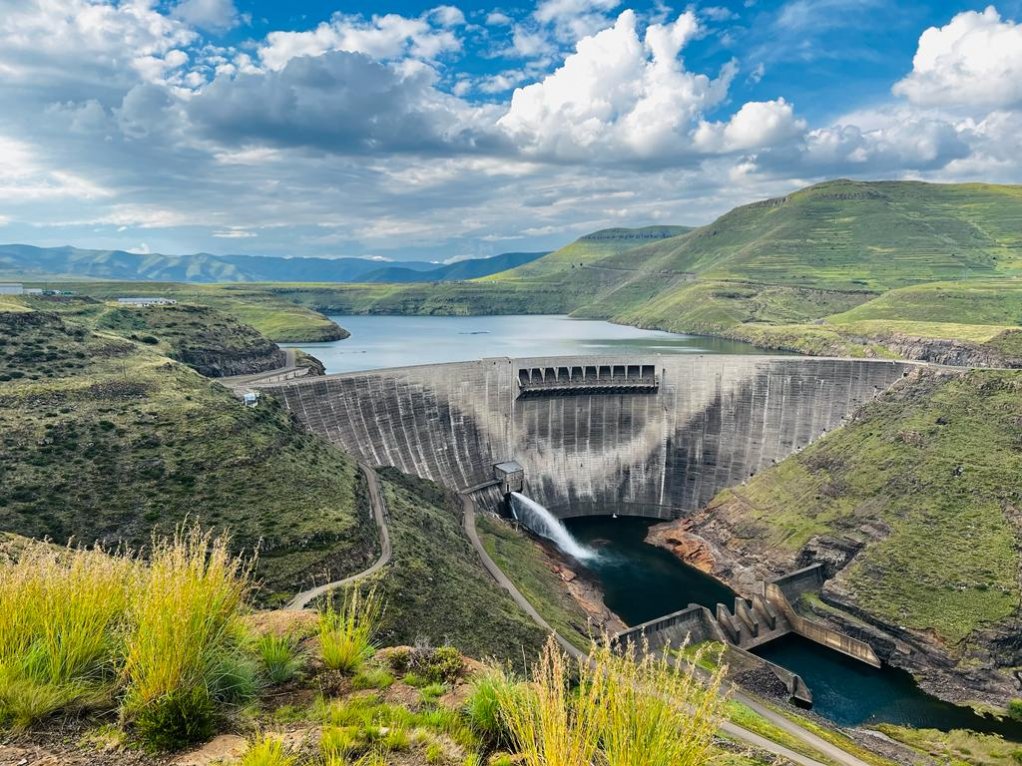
[
  {"x": 105, "y": 439},
  {"x": 935, "y": 465},
  {"x": 524, "y": 562},
  {"x": 278, "y": 319},
  {"x": 436, "y": 587},
  {"x": 200, "y": 336},
  {"x": 853, "y": 235}
]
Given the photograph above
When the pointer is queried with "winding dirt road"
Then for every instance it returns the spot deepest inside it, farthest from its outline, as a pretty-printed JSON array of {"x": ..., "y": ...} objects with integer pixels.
[{"x": 379, "y": 510}]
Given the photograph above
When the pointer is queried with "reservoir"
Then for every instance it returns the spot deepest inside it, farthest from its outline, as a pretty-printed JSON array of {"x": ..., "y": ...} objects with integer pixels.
[{"x": 378, "y": 342}]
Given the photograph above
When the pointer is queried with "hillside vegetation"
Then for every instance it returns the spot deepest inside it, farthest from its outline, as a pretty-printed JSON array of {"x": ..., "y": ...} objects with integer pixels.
[
  {"x": 915, "y": 505},
  {"x": 106, "y": 439},
  {"x": 279, "y": 320},
  {"x": 210, "y": 342}
]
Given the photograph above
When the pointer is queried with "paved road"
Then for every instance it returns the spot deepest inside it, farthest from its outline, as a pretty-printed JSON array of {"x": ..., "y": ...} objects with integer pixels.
[
  {"x": 733, "y": 730},
  {"x": 379, "y": 509}
]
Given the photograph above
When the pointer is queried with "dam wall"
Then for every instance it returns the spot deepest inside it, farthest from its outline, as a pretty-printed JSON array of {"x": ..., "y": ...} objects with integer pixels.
[{"x": 660, "y": 443}]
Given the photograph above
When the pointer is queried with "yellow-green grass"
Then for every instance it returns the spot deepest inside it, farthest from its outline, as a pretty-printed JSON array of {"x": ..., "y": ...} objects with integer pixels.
[
  {"x": 622, "y": 710},
  {"x": 958, "y": 748},
  {"x": 529, "y": 567},
  {"x": 81, "y": 627},
  {"x": 347, "y": 630},
  {"x": 268, "y": 750},
  {"x": 60, "y": 615},
  {"x": 186, "y": 607},
  {"x": 927, "y": 463}
]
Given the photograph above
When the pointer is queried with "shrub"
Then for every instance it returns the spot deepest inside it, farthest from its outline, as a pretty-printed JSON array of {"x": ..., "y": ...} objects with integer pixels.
[
  {"x": 279, "y": 657},
  {"x": 434, "y": 753},
  {"x": 268, "y": 751},
  {"x": 399, "y": 659},
  {"x": 183, "y": 623},
  {"x": 180, "y": 717},
  {"x": 441, "y": 664},
  {"x": 1015, "y": 709},
  {"x": 346, "y": 634}
]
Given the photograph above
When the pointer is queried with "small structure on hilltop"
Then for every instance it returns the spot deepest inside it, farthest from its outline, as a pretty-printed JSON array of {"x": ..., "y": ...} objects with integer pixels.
[{"x": 147, "y": 301}]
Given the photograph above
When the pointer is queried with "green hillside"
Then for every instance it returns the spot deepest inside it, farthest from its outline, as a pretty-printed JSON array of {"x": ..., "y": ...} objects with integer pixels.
[
  {"x": 279, "y": 320},
  {"x": 926, "y": 481},
  {"x": 105, "y": 439},
  {"x": 852, "y": 235}
]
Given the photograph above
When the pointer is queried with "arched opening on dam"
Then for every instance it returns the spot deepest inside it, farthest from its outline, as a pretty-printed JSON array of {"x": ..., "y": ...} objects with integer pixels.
[{"x": 596, "y": 437}]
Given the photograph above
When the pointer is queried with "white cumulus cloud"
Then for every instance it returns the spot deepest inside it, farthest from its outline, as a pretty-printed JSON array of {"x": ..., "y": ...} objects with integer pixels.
[
  {"x": 973, "y": 61},
  {"x": 618, "y": 95},
  {"x": 386, "y": 37}
]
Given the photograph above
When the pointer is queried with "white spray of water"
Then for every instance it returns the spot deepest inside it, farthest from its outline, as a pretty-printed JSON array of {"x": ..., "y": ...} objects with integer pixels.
[{"x": 543, "y": 523}]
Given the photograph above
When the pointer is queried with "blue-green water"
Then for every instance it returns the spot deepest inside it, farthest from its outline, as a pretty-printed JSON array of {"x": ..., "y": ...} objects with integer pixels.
[
  {"x": 852, "y": 693},
  {"x": 641, "y": 582},
  {"x": 398, "y": 341}
]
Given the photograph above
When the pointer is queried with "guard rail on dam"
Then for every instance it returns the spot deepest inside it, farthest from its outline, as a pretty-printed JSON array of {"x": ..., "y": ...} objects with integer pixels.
[{"x": 711, "y": 422}]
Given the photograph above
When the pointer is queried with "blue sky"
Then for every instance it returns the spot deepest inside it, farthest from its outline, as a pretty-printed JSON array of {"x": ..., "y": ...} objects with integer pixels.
[{"x": 440, "y": 131}]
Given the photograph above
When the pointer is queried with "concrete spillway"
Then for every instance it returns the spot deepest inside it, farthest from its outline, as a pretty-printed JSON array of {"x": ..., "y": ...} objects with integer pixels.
[{"x": 661, "y": 448}]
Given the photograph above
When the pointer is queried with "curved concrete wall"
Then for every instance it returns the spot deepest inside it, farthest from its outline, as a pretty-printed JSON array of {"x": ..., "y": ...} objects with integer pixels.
[{"x": 714, "y": 421}]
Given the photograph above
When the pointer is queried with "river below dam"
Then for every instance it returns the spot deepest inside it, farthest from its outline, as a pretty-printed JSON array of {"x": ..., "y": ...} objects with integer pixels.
[{"x": 641, "y": 582}]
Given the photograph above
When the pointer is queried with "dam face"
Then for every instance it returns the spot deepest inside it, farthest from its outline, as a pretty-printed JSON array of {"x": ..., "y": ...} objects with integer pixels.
[{"x": 659, "y": 446}]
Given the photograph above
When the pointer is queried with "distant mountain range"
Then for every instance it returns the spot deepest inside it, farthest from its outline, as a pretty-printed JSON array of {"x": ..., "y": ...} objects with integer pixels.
[{"x": 28, "y": 262}]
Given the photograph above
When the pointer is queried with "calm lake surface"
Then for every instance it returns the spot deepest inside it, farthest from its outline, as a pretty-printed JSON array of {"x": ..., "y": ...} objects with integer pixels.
[{"x": 398, "y": 341}]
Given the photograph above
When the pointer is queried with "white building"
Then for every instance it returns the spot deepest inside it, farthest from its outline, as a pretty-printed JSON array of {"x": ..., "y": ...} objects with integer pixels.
[
  {"x": 12, "y": 288},
  {"x": 147, "y": 301}
]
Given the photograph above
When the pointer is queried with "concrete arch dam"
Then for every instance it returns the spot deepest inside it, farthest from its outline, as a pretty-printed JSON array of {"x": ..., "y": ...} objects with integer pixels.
[{"x": 657, "y": 436}]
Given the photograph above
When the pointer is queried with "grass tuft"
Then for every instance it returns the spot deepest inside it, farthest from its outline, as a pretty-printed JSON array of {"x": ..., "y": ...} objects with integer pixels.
[
  {"x": 59, "y": 611},
  {"x": 183, "y": 628},
  {"x": 346, "y": 633}
]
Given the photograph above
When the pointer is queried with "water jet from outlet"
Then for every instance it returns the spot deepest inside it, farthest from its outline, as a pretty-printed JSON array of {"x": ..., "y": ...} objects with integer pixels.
[{"x": 539, "y": 520}]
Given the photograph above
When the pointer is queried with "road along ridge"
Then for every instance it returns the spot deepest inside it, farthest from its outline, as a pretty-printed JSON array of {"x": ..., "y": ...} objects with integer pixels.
[{"x": 379, "y": 510}]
